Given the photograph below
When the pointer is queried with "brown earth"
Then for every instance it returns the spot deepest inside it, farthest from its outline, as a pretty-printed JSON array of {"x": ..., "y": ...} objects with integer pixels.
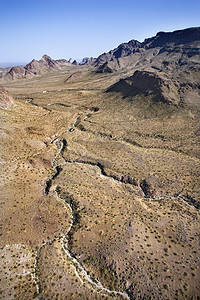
[{"x": 98, "y": 185}]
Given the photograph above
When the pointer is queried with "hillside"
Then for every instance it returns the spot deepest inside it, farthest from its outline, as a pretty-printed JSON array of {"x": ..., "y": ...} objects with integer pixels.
[{"x": 100, "y": 175}]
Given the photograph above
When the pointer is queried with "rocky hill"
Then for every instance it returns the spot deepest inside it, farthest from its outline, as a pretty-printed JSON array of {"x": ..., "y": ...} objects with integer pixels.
[
  {"x": 35, "y": 67},
  {"x": 148, "y": 83}
]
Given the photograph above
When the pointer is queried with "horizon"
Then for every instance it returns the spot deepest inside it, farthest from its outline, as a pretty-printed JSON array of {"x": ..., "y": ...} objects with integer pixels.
[{"x": 85, "y": 29}]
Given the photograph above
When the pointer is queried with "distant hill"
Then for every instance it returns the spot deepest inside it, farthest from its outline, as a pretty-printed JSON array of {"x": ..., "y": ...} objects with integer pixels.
[{"x": 35, "y": 67}]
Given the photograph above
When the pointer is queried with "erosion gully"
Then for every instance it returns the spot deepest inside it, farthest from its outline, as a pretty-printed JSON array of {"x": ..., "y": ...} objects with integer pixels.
[{"x": 80, "y": 272}]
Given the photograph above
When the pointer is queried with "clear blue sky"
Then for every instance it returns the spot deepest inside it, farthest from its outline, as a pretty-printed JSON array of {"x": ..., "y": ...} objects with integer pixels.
[{"x": 79, "y": 28}]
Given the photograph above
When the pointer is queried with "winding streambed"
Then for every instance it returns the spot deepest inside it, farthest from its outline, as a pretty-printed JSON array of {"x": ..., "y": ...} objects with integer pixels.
[{"x": 80, "y": 272}]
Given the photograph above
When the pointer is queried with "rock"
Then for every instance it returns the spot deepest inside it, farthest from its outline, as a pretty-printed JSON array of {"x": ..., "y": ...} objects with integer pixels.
[
  {"x": 16, "y": 72},
  {"x": 128, "y": 179},
  {"x": 6, "y": 100},
  {"x": 151, "y": 186},
  {"x": 177, "y": 37},
  {"x": 87, "y": 60},
  {"x": 170, "y": 52},
  {"x": 74, "y": 76},
  {"x": 105, "y": 68}
]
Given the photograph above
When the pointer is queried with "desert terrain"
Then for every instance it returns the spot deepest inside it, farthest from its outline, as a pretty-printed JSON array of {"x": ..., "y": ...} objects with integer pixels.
[{"x": 100, "y": 175}]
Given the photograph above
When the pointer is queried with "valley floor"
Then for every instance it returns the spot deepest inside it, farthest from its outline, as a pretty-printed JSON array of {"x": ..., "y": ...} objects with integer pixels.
[{"x": 99, "y": 193}]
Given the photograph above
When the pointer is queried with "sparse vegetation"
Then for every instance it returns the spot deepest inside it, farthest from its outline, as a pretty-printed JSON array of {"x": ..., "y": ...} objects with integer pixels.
[{"x": 130, "y": 179}]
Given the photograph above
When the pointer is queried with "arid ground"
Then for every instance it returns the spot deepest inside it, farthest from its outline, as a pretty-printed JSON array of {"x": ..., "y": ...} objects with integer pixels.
[{"x": 99, "y": 191}]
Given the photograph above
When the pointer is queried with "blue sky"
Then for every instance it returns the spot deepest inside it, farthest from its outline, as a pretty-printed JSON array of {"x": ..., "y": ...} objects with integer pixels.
[{"x": 79, "y": 28}]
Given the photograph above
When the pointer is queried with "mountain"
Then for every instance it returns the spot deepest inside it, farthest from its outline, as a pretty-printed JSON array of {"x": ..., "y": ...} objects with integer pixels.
[
  {"x": 35, "y": 67},
  {"x": 169, "y": 61},
  {"x": 165, "y": 51}
]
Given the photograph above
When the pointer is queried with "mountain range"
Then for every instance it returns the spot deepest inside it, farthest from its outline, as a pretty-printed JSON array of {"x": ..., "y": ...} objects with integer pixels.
[{"x": 168, "y": 61}]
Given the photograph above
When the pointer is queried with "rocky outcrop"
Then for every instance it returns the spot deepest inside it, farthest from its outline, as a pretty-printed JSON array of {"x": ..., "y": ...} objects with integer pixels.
[
  {"x": 35, "y": 67},
  {"x": 106, "y": 68},
  {"x": 87, "y": 60},
  {"x": 16, "y": 72},
  {"x": 151, "y": 186},
  {"x": 147, "y": 83},
  {"x": 6, "y": 100},
  {"x": 74, "y": 76}
]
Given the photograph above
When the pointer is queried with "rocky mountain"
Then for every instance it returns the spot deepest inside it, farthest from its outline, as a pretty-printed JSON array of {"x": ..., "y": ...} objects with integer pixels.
[
  {"x": 35, "y": 67},
  {"x": 178, "y": 37},
  {"x": 6, "y": 100},
  {"x": 167, "y": 67},
  {"x": 163, "y": 52},
  {"x": 122, "y": 50}
]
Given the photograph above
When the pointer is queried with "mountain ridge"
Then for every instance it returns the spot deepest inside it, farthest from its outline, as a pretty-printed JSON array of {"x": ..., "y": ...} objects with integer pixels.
[
  {"x": 36, "y": 67},
  {"x": 186, "y": 41},
  {"x": 183, "y": 41}
]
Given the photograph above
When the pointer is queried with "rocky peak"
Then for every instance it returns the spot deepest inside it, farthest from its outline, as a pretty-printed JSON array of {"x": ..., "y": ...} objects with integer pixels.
[
  {"x": 87, "y": 60},
  {"x": 178, "y": 43},
  {"x": 122, "y": 50},
  {"x": 46, "y": 57}
]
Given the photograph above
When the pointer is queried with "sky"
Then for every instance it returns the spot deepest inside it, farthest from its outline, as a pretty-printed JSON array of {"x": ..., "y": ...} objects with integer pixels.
[{"x": 85, "y": 28}]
